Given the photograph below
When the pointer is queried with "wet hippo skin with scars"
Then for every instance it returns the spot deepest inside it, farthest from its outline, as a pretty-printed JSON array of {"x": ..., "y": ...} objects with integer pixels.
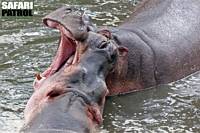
[
  {"x": 163, "y": 40},
  {"x": 158, "y": 44}
]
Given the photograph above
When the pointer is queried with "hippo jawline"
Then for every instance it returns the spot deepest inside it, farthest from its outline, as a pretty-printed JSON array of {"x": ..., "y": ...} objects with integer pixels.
[{"x": 66, "y": 53}]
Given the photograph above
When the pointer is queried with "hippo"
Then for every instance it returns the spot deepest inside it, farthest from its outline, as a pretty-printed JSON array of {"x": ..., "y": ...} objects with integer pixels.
[
  {"x": 159, "y": 43},
  {"x": 161, "y": 40},
  {"x": 70, "y": 95},
  {"x": 72, "y": 98}
]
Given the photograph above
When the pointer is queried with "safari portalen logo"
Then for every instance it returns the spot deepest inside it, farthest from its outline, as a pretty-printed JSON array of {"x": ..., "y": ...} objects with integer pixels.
[{"x": 16, "y": 9}]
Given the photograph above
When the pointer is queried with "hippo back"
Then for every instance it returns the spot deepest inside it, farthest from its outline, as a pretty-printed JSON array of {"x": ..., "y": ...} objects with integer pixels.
[{"x": 171, "y": 29}]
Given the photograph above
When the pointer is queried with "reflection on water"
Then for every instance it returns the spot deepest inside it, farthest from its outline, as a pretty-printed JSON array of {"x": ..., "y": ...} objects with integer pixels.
[{"x": 26, "y": 46}]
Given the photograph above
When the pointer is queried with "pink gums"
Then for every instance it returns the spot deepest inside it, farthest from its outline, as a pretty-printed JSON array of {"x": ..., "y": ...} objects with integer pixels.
[{"x": 64, "y": 51}]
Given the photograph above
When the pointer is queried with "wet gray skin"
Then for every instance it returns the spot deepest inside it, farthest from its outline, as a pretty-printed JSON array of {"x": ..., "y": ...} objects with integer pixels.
[{"x": 72, "y": 99}]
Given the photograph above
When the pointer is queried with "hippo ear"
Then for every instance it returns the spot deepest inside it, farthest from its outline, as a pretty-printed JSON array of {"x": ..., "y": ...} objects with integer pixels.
[{"x": 122, "y": 51}]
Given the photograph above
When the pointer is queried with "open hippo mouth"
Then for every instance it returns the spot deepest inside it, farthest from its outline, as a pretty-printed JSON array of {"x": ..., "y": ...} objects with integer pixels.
[
  {"x": 73, "y": 25},
  {"x": 66, "y": 55}
]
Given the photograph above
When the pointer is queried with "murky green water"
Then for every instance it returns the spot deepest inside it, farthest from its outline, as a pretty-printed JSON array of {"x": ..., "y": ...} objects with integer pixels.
[{"x": 26, "y": 46}]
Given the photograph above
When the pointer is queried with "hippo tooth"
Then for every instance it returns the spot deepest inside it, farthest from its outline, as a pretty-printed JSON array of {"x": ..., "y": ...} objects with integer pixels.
[
  {"x": 75, "y": 59},
  {"x": 37, "y": 82},
  {"x": 69, "y": 61},
  {"x": 38, "y": 76}
]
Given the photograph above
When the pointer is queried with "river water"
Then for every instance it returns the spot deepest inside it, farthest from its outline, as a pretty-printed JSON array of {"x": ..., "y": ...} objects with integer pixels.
[{"x": 27, "y": 46}]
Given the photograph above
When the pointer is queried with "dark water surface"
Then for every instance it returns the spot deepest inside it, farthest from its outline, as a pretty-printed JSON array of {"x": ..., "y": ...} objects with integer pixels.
[{"x": 26, "y": 46}]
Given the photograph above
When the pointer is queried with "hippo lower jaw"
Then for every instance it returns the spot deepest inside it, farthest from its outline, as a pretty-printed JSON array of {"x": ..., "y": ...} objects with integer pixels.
[{"x": 66, "y": 55}]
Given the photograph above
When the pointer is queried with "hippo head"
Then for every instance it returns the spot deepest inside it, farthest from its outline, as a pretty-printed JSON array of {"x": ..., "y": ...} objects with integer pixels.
[{"x": 69, "y": 96}]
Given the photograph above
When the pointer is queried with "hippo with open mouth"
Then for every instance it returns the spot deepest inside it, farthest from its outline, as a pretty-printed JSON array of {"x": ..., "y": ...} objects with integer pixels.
[
  {"x": 158, "y": 44},
  {"x": 69, "y": 96}
]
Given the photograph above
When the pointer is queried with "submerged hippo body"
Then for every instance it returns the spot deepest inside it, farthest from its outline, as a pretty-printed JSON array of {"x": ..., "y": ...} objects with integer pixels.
[
  {"x": 159, "y": 43},
  {"x": 163, "y": 39}
]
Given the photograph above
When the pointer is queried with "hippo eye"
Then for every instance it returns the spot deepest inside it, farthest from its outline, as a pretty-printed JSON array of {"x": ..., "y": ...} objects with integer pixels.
[
  {"x": 68, "y": 10},
  {"x": 103, "y": 45}
]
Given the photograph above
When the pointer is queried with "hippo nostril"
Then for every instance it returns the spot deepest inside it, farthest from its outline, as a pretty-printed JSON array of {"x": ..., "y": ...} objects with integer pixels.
[
  {"x": 69, "y": 87},
  {"x": 54, "y": 93},
  {"x": 103, "y": 45}
]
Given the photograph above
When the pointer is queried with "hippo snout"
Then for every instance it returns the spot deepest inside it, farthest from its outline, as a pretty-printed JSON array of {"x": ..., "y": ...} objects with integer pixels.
[{"x": 65, "y": 112}]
